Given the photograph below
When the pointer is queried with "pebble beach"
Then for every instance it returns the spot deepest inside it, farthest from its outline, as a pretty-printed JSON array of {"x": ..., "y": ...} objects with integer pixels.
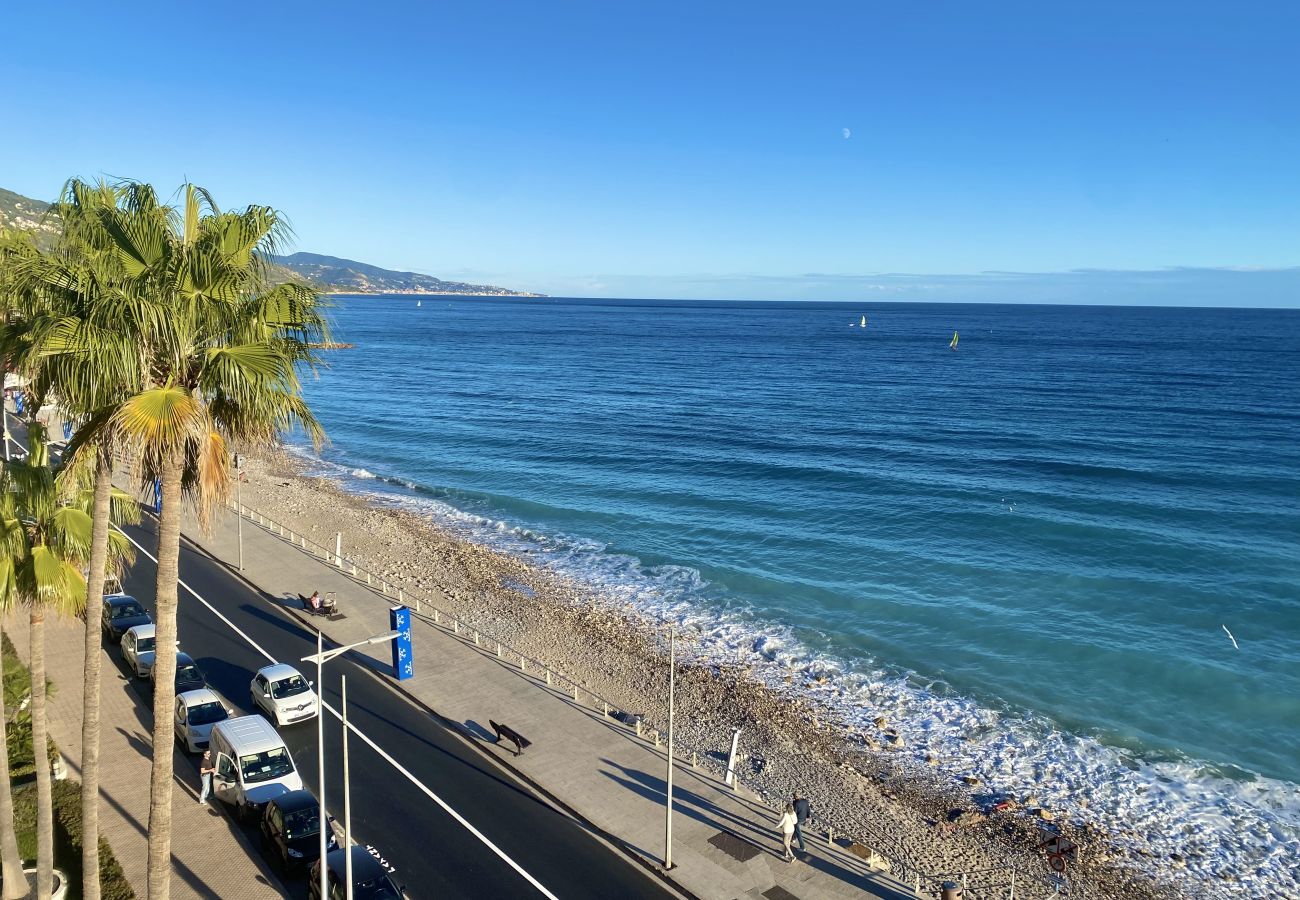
[{"x": 863, "y": 781}]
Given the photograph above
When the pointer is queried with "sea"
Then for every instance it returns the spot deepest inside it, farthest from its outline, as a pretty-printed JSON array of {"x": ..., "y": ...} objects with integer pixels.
[{"x": 1063, "y": 557}]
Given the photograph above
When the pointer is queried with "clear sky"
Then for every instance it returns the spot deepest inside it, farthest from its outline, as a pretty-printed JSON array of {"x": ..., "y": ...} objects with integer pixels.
[{"x": 738, "y": 150}]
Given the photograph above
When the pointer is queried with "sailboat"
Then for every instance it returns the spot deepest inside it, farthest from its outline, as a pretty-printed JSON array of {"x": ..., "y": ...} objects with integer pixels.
[
  {"x": 953, "y": 345},
  {"x": 864, "y": 321},
  {"x": 419, "y": 302}
]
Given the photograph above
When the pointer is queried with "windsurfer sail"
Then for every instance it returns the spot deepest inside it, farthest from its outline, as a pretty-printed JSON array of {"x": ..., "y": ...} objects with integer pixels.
[
  {"x": 953, "y": 345},
  {"x": 864, "y": 321}
]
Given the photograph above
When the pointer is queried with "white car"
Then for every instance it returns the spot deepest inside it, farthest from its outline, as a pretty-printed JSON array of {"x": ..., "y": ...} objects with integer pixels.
[
  {"x": 196, "y": 713},
  {"x": 138, "y": 649},
  {"x": 283, "y": 694}
]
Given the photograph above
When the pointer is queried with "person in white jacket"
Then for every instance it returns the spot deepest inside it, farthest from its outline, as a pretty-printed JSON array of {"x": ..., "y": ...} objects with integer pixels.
[{"x": 786, "y": 826}]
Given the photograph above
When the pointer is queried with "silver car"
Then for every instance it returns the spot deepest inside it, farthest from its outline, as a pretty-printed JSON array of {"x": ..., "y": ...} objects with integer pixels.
[
  {"x": 196, "y": 713},
  {"x": 138, "y": 649}
]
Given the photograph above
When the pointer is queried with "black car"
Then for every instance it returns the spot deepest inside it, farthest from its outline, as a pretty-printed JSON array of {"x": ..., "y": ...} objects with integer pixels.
[
  {"x": 291, "y": 830},
  {"x": 189, "y": 677},
  {"x": 120, "y": 613},
  {"x": 371, "y": 878}
]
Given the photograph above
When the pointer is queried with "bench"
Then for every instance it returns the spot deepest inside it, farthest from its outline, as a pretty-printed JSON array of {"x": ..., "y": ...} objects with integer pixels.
[{"x": 505, "y": 731}]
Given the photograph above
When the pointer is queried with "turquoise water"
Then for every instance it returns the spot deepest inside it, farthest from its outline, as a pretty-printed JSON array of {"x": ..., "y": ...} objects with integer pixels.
[{"x": 1040, "y": 535}]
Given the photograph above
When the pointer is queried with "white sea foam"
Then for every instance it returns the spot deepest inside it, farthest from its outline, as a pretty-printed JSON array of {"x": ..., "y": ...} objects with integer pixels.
[{"x": 1238, "y": 836}]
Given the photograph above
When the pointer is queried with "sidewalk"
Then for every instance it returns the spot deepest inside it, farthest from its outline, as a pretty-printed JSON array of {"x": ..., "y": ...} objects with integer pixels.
[
  {"x": 724, "y": 842},
  {"x": 210, "y": 857}
]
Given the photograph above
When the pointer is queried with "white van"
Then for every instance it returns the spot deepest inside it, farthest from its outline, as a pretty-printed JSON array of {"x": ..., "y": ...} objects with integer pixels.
[{"x": 253, "y": 764}]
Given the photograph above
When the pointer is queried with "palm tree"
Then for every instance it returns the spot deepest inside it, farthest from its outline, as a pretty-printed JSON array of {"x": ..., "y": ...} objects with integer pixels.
[
  {"x": 15, "y": 880},
  {"x": 220, "y": 350},
  {"x": 47, "y": 543},
  {"x": 15, "y": 883},
  {"x": 64, "y": 342}
]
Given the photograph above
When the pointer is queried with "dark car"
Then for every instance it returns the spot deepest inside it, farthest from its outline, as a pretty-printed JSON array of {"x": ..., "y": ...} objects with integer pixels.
[
  {"x": 291, "y": 830},
  {"x": 371, "y": 878},
  {"x": 120, "y": 613},
  {"x": 189, "y": 677}
]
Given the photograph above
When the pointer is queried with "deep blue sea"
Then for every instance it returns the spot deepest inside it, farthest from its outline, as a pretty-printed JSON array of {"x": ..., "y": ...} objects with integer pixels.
[{"x": 1029, "y": 546}]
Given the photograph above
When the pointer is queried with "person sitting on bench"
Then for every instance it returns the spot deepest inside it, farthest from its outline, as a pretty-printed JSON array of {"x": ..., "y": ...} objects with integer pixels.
[
  {"x": 314, "y": 600},
  {"x": 504, "y": 731}
]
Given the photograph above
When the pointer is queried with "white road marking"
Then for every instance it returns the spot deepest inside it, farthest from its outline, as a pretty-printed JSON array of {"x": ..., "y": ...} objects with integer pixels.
[{"x": 361, "y": 734}]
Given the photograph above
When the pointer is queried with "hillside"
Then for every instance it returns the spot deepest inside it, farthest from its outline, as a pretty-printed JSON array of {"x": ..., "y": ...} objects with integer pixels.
[
  {"x": 327, "y": 273},
  {"x": 347, "y": 276},
  {"x": 17, "y": 211}
]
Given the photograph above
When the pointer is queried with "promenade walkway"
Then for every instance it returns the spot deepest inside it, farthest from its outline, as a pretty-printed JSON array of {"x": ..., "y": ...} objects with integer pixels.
[
  {"x": 210, "y": 856},
  {"x": 724, "y": 846}
]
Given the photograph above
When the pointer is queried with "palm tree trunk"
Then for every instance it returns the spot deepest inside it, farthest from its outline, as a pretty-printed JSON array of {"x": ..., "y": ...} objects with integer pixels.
[
  {"x": 41, "y": 759},
  {"x": 90, "y": 697},
  {"x": 16, "y": 884},
  {"x": 160, "y": 783}
]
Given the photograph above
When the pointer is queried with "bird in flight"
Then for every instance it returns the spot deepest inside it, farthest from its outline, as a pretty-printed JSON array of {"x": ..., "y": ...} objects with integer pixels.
[{"x": 1230, "y": 637}]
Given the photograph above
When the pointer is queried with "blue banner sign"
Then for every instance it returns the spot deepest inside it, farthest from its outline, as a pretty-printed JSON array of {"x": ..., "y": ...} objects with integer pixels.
[
  {"x": 399, "y": 619},
  {"x": 157, "y": 497},
  {"x": 67, "y": 431}
]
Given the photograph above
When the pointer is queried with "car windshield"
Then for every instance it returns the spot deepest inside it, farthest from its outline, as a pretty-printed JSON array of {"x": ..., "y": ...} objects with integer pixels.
[
  {"x": 259, "y": 767},
  {"x": 144, "y": 644},
  {"x": 188, "y": 674},
  {"x": 207, "y": 713},
  {"x": 288, "y": 687},
  {"x": 127, "y": 610},
  {"x": 303, "y": 823}
]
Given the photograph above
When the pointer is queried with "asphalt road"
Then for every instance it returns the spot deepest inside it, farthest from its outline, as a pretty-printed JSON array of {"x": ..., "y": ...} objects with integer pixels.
[{"x": 434, "y": 856}]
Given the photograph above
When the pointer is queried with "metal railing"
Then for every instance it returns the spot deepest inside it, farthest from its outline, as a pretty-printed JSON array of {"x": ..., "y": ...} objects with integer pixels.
[{"x": 884, "y": 852}]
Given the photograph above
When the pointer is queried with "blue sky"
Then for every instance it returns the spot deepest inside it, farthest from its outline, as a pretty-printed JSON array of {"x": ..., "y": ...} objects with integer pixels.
[{"x": 731, "y": 150}]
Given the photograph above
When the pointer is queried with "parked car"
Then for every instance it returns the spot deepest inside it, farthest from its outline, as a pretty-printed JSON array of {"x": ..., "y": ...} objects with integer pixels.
[
  {"x": 283, "y": 694},
  {"x": 253, "y": 764},
  {"x": 196, "y": 713},
  {"x": 189, "y": 677},
  {"x": 138, "y": 649},
  {"x": 291, "y": 830},
  {"x": 371, "y": 878},
  {"x": 120, "y": 613}
]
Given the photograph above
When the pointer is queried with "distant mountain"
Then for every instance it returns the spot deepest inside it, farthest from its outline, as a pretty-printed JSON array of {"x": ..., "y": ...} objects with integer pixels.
[
  {"x": 347, "y": 276},
  {"x": 17, "y": 211},
  {"x": 327, "y": 273}
]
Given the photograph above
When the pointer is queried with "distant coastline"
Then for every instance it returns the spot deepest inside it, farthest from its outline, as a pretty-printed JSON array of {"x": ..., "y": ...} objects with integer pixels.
[{"x": 425, "y": 293}]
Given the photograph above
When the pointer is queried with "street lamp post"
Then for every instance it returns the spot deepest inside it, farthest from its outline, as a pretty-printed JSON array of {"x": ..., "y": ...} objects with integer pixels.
[
  {"x": 239, "y": 510},
  {"x": 347, "y": 798},
  {"x": 320, "y": 657},
  {"x": 320, "y": 757},
  {"x": 672, "y": 684}
]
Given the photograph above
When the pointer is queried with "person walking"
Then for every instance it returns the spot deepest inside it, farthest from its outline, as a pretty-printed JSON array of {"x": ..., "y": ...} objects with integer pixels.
[
  {"x": 786, "y": 825},
  {"x": 802, "y": 817},
  {"x": 205, "y": 773}
]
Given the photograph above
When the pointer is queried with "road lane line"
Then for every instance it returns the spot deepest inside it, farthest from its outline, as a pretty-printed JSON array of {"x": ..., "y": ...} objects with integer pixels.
[
  {"x": 361, "y": 734},
  {"x": 233, "y": 627}
]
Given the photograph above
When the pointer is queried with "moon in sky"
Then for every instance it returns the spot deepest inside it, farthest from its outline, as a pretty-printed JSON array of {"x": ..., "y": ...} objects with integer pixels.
[{"x": 847, "y": 134}]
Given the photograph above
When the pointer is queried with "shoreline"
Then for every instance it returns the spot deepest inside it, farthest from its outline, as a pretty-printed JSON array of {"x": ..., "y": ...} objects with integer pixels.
[{"x": 858, "y": 779}]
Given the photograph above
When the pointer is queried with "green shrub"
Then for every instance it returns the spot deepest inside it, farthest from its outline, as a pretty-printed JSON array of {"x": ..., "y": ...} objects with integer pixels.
[
  {"x": 18, "y": 728},
  {"x": 67, "y": 833},
  {"x": 65, "y": 795}
]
